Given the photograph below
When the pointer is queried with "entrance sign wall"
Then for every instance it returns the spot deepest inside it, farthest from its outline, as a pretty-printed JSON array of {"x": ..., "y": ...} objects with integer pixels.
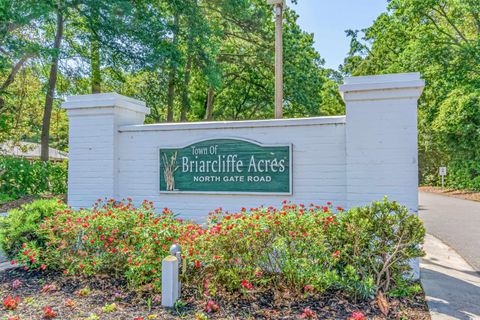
[
  {"x": 193, "y": 168},
  {"x": 227, "y": 166}
]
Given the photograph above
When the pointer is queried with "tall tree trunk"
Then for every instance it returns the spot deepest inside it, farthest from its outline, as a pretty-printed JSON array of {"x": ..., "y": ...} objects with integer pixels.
[
  {"x": 171, "y": 94},
  {"x": 95, "y": 64},
  {"x": 173, "y": 73},
  {"x": 11, "y": 77},
  {"x": 95, "y": 54},
  {"x": 52, "y": 81},
  {"x": 186, "y": 84},
  {"x": 210, "y": 100}
]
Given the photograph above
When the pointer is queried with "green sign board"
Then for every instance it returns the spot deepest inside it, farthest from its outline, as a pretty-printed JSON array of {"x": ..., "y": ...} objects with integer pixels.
[{"x": 231, "y": 166}]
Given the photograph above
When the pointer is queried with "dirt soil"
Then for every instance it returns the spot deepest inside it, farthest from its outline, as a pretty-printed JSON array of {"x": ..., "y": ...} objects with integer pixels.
[
  {"x": 14, "y": 204},
  {"x": 462, "y": 194},
  {"x": 102, "y": 291}
]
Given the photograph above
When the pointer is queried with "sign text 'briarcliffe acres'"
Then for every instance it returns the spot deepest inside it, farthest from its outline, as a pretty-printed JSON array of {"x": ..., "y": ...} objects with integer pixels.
[{"x": 226, "y": 166}]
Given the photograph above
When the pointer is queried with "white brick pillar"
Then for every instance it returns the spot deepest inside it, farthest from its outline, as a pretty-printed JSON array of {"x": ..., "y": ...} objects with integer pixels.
[
  {"x": 381, "y": 138},
  {"x": 93, "y": 138}
]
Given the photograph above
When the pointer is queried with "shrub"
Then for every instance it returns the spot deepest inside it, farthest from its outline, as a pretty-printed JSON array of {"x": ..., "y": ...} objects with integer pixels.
[
  {"x": 21, "y": 225},
  {"x": 304, "y": 249},
  {"x": 19, "y": 176},
  {"x": 379, "y": 241},
  {"x": 264, "y": 247},
  {"x": 112, "y": 238}
]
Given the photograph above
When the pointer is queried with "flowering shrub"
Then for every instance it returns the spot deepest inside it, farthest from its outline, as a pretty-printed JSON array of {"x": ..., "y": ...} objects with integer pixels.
[
  {"x": 264, "y": 247},
  {"x": 305, "y": 248},
  {"x": 111, "y": 238}
]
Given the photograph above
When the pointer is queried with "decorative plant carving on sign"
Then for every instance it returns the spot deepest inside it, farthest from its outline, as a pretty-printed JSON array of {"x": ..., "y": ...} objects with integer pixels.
[{"x": 169, "y": 168}]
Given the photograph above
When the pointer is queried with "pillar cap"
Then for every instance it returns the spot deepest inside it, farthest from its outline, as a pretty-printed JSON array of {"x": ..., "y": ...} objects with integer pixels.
[
  {"x": 357, "y": 88},
  {"x": 105, "y": 100}
]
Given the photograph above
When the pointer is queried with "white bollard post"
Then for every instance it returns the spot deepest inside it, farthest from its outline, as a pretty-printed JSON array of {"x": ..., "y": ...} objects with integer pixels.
[{"x": 170, "y": 292}]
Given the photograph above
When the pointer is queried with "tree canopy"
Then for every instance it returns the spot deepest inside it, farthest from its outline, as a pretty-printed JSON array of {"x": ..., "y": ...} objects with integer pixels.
[
  {"x": 441, "y": 39},
  {"x": 190, "y": 60}
]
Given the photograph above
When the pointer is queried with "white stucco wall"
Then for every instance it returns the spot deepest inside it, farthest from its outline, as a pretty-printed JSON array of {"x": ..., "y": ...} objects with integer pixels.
[
  {"x": 349, "y": 160},
  {"x": 318, "y": 161}
]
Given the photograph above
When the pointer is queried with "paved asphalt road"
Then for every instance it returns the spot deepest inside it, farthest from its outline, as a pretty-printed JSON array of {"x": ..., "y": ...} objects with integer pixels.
[{"x": 454, "y": 221}]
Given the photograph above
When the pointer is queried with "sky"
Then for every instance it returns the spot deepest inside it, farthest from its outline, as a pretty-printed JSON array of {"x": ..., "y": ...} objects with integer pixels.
[{"x": 328, "y": 20}]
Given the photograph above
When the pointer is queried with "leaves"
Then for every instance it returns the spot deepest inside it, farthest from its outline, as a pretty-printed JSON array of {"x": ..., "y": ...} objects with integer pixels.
[{"x": 441, "y": 39}]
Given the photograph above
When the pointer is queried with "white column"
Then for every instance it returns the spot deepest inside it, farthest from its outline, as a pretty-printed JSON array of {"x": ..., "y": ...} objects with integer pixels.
[
  {"x": 93, "y": 137},
  {"x": 170, "y": 284},
  {"x": 381, "y": 138}
]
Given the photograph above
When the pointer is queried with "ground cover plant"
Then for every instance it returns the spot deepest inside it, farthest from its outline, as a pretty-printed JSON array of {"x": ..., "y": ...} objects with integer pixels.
[{"x": 305, "y": 252}]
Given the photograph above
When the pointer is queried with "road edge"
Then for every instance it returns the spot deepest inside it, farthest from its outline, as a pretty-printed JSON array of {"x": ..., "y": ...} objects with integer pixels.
[{"x": 451, "y": 285}]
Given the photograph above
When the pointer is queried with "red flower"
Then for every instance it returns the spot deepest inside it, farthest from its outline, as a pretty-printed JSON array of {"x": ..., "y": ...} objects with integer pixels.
[
  {"x": 308, "y": 288},
  {"x": 49, "y": 313},
  {"x": 43, "y": 267},
  {"x": 247, "y": 285},
  {"x": 197, "y": 264},
  {"x": 308, "y": 314},
  {"x": 357, "y": 316},
  {"x": 336, "y": 253},
  {"x": 10, "y": 303},
  {"x": 211, "y": 307}
]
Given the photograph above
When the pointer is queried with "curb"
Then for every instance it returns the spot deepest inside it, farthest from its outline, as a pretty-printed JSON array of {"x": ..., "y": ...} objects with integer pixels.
[{"x": 451, "y": 285}]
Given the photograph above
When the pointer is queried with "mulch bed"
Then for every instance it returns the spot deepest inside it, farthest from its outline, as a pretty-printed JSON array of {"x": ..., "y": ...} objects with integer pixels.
[
  {"x": 17, "y": 203},
  {"x": 14, "y": 204},
  {"x": 462, "y": 194},
  {"x": 130, "y": 304}
]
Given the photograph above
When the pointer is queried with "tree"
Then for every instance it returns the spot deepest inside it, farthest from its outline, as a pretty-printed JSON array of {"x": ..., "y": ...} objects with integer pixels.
[
  {"x": 441, "y": 39},
  {"x": 52, "y": 81}
]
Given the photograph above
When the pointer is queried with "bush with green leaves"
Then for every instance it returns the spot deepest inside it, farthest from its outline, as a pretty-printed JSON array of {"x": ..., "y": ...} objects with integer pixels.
[
  {"x": 306, "y": 249},
  {"x": 379, "y": 241},
  {"x": 21, "y": 225},
  {"x": 19, "y": 177},
  {"x": 457, "y": 130}
]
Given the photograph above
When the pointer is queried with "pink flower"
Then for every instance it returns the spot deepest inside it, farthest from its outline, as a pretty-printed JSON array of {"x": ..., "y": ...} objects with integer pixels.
[
  {"x": 211, "y": 307},
  {"x": 308, "y": 314},
  {"x": 357, "y": 316},
  {"x": 308, "y": 288},
  {"x": 16, "y": 283}
]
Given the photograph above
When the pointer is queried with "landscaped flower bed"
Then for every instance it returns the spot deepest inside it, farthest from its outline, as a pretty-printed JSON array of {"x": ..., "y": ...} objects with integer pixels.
[
  {"x": 298, "y": 260},
  {"x": 74, "y": 297}
]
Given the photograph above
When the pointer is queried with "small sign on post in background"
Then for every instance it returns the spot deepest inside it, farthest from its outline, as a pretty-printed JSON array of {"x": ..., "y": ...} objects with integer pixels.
[{"x": 443, "y": 172}]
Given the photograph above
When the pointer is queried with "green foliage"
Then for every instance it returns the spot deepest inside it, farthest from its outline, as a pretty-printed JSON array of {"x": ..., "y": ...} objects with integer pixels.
[
  {"x": 112, "y": 238},
  {"x": 457, "y": 127},
  {"x": 441, "y": 39},
  {"x": 379, "y": 241},
  {"x": 21, "y": 225},
  {"x": 172, "y": 54},
  {"x": 19, "y": 176},
  {"x": 307, "y": 249},
  {"x": 4, "y": 198}
]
